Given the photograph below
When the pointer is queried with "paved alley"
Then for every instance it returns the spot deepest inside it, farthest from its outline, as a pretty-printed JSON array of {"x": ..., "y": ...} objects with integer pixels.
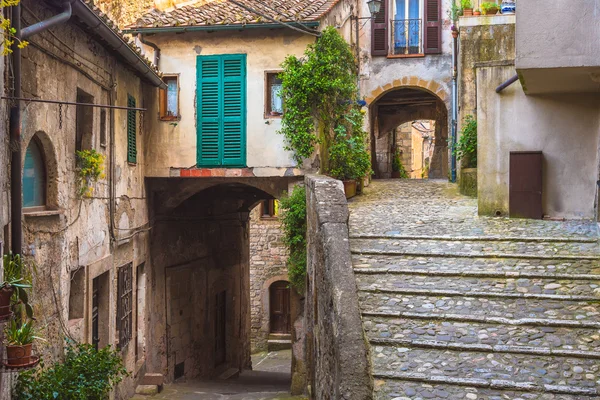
[
  {"x": 461, "y": 307},
  {"x": 270, "y": 380}
]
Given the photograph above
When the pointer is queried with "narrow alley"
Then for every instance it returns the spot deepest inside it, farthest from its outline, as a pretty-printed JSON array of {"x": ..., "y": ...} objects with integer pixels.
[{"x": 460, "y": 306}]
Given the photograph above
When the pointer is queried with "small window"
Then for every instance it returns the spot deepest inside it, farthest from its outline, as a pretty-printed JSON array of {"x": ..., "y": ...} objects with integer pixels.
[
  {"x": 77, "y": 294},
  {"x": 124, "y": 305},
  {"x": 274, "y": 101},
  {"x": 169, "y": 99},
  {"x": 103, "y": 128},
  {"x": 34, "y": 176},
  {"x": 131, "y": 130},
  {"x": 269, "y": 209},
  {"x": 84, "y": 121}
]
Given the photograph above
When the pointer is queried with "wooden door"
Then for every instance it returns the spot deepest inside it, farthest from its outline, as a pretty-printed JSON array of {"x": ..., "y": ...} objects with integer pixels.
[
  {"x": 280, "y": 307},
  {"x": 220, "y": 328},
  {"x": 525, "y": 193}
]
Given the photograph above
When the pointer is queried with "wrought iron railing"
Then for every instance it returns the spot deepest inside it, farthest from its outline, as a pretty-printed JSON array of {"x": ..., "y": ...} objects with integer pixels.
[{"x": 407, "y": 37}]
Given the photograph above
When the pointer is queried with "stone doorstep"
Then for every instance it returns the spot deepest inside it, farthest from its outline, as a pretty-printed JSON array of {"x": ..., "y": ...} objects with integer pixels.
[
  {"x": 147, "y": 390},
  {"x": 230, "y": 373},
  {"x": 153, "y": 379},
  {"x": 276, "y": 345}
]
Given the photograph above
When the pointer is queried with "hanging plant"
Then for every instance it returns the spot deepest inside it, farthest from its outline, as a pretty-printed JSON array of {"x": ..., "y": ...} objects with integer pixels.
[
  {"x": 8, "y": 32},
  {"x": 90, "y": 168}
]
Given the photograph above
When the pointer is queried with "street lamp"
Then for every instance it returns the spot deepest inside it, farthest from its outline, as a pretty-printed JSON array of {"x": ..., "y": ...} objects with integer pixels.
[{"x": 374, "y": 7}]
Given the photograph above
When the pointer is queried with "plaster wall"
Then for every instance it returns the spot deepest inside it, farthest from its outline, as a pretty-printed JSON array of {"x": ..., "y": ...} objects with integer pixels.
[
  {"x": 565, "y": 127},
  {"x": 171, "y": 146},
  {"x": 74, "y": 232}
]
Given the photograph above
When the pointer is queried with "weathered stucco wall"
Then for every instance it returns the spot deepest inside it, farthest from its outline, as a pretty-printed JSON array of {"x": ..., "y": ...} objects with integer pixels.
[
  {"x": 336, "y": 346},
  {"x": 565, "y": 127},
  {"x": 175, "y": 146}
]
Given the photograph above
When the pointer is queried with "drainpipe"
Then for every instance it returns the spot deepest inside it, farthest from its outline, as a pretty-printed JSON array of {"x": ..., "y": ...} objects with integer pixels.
[
  {"x": 16, "y": 178},
  {"x": 154, "y": 47},
  {"x": 507, "y": 83},
  {"x": 454, "y": 105}
]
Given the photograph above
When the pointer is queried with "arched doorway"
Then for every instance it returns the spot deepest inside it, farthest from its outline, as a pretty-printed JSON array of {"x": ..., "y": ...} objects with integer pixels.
[
  {"x": 280, "y": 312},
  {"x": 410, "y": 125}
]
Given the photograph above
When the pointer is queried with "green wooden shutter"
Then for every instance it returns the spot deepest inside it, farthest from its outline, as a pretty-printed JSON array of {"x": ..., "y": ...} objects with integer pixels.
[
  {"x": 221, "y": 110},
  {"x": 131, "y": 130}
]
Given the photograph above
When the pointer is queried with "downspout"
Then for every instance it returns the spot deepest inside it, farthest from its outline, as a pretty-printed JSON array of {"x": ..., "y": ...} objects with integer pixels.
[
  {"x": 454, "y": 105},
  {"x": 154, "y": 47},
  {"x": 16, "y": 178},
  {"x": 507, "y": 83},
  {"x": 112, "y": 186}
]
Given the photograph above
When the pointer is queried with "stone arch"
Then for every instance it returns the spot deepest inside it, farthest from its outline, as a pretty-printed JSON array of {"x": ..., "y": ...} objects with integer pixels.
[
  {"x": 411, "y": 82},
  {"x": 266, "y": 300},
  {"x": 48, "y": 150}
]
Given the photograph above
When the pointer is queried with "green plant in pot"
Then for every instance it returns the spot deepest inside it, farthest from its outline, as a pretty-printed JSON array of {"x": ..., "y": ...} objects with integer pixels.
[
  {"x": 13, "y": 292},
  {"x": 490, "y": 8},
  {"x": 398, "y": 170},
  {"x": 349, "y": 159},
  {"x": 467, "y": 7},
  {"x": 19, "y": 336}
]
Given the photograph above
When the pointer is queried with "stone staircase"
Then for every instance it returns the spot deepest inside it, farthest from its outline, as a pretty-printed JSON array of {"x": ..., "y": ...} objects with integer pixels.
[{"x": 481, "y": 317}]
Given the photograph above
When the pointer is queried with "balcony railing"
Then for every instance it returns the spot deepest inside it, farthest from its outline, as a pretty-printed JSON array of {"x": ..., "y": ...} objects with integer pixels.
[{"x": 407, "y": 37}]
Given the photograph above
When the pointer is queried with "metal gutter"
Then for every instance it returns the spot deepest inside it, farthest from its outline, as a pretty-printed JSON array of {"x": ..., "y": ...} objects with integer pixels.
[
  {"x": 90, "y": 18},
  {"x": 212, "y": 28},
  {"x": 50, "y": 22}
]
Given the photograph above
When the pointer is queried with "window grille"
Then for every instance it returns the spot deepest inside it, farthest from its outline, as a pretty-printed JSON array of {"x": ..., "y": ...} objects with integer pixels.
[{"x": 124, "y": 305}]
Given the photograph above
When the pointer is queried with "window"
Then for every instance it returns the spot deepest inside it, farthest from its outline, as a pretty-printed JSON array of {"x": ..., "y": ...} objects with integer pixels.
[
  {"x": 407, "y": 28},
  {"x": 84, "y": 121},
  {"x": 131, "y": 130},
  {"x": 169, "y": 99},
  {"x": 100, "y": 311},
  {"x": 269, "y": 209},
  {"x": 221, "y": 111},
  {"x": 77, "y": 294},
  {"x": 124, "y": 304},
  {"x": 103, "y": 128},
  {"x": 34, "y": 176},
  {"x": 273, "y": 99}
]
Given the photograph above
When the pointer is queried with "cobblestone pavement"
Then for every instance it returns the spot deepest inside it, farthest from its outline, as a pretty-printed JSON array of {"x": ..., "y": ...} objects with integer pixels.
[
  {"x": 457, "y": 306},
  {"x": 270, "y": 380}
]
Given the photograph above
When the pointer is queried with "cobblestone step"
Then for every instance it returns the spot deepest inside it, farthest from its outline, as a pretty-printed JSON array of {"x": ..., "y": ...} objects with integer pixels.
[
  {"x": 529, "y": 249},
  {"x": 547, "y": 307},
  {"x": 390, "y": 386},
  {"x": 525, "y": 371},
  {"x": 481, "y": 333},
  {"x": 513, "y": 266},
  {"x": 467, "y": 285}
]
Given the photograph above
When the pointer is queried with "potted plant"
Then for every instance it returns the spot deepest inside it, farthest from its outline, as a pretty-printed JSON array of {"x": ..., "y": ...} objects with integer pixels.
[
  {"x": 466, "y": 154},
  {"x": 348, "y": 160},
  {"x": 16, "y": 280},
  {"x": 467, "y": 7},
  {"x": 19, "y": 336},
  {"x": 477, "y": 12},
  {"x": 398, "y": 170},
  {"x": 490, "y": 8}
]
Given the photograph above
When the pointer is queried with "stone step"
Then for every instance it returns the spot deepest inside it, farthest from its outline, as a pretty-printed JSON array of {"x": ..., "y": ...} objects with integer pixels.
[
  {"x": 277, "y": 345},
  {"x": 472, "y": 284},
  {"x": 482, "y": 333},
  {"x": 471, "y": 248},
  {"x": 512, "y": 306},
  {"x": 513, "y": 266},
  {"x": 390, "y": 386},
  {"x": 525, "y": 371}
]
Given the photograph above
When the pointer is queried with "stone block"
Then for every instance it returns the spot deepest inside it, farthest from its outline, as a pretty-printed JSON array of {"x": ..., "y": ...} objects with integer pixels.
[
  {"x": 153, "y": 379},
  {"x": 147, "y": 390}
]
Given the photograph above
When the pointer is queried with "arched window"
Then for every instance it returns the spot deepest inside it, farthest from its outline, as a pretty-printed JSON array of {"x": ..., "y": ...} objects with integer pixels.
[{"x": 34, "y": 176}]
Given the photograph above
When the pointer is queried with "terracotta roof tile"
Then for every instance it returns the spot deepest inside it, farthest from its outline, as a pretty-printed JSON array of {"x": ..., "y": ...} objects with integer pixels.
[{"x": 223, "y": 12}]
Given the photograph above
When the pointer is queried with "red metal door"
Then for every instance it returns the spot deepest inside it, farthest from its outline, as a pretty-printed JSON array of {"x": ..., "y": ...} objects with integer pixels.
[
  {"x": 280, "y": 307},
  {"x": 525, "y": 193}
]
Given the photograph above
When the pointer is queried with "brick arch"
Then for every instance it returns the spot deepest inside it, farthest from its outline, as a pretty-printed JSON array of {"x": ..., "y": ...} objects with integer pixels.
[{"x": 410, "y": 82}]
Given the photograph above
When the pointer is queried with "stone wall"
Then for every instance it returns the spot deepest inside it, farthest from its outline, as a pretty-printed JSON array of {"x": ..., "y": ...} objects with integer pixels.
[
  {"x": 336, "y": 350},
  {"x": 268, "y": 257}
]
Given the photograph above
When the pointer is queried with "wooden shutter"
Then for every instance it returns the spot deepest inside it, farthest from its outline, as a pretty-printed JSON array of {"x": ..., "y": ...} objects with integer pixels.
[
  {"x": 433, "y": 27},
  {"x": 380, "y": 31},
  {"x": 222, "y": 110},
  {"x": 131, "y": 131}
]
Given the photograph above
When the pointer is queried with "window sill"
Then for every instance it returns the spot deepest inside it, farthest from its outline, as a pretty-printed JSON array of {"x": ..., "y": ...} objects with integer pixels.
[
  {"x": 274, "y": 218},
  {"x": 170, "y": 119},
  {"x": 41, "y": 213},
  {"x": 420, "y": 55}
]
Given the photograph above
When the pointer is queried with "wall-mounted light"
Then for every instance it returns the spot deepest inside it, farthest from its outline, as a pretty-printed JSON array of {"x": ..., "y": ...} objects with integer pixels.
[{"x": 374, "y": 7}]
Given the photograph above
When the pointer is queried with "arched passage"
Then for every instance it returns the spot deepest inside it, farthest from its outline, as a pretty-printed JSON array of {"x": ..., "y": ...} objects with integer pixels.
[{"x": 412, "y": 123}]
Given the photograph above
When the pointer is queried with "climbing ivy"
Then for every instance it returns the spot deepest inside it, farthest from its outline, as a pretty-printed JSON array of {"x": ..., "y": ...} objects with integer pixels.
[
  {"x": 319, "y": 93},
  {"x": 8, "y": 32},
  {"x": 294, "y": 229},
  {"x": 466, "y": 148}
]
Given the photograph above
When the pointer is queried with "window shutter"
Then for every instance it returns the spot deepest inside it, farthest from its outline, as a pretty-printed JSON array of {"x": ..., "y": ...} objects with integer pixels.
[
  {"x": 131, "y": 131},
  {"x": 222, "y": 111},
  {"x": 433, "y": 27},
  {"x": 162, "y": 103},
  {"x": 379, "y": 31}
]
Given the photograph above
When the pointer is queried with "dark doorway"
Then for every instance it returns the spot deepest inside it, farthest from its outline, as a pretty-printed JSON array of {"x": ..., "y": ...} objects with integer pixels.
[
  {"x": 84, "y": 122},
  {"x": 280, "y": 307},
  {"x": 220, "y": 328},
  {"x": 525, "y": 194}
]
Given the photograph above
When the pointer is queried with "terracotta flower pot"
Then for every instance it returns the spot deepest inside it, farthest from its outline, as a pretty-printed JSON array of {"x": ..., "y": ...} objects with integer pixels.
[
  {"x": 5, "y": 295},
  {"x": 492, "y": 11},
  {"x": 18, "y": 356},
  {"x": 476, "y": 13},
  {"x": 395, "y": 174},
  {"x": 467, "y": 12},
  {"x": 350, "y": 188}
]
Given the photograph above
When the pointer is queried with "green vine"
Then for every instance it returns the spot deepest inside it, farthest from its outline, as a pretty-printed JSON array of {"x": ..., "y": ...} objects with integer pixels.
[
  {"x": 319, "y": 94},
  {"x": 293, "y": 220},
  {"x": 8, "y": 32},
  {"x": 466, "y": 148},
  {"x": 398, "y": 167},
  {"x": 91, "y": 168}
]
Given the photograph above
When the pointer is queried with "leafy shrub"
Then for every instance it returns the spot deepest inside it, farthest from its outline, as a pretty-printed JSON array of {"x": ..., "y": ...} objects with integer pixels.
[
  {"x": 398, "y": 167},
  {"x": 294, "y": 229},
  {"x": 348, "y": 157},
  {"x": 91, "y": 168},
  {"x": 466, "y": 148},
  {"x": 86, "y": 374},
  {"x": 488, "y": 5},
  {"x": 466, "y": 4}
]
